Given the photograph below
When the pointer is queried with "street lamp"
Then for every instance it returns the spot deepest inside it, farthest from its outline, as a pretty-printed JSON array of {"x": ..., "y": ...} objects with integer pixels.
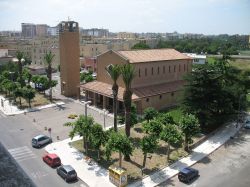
[{"x": 104, "y": 119}]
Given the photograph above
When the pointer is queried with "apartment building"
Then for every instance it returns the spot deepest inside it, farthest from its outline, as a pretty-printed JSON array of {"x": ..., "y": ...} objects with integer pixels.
[
  {"x": 126, "y": 35},
  {"x": 28, "y": 30},
  {"x": 158, "y": 81},
  {"x": 41, "y": 30}
]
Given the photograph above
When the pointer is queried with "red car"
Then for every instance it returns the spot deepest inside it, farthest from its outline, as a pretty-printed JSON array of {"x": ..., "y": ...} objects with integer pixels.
[{"x": 52, "y": 160}]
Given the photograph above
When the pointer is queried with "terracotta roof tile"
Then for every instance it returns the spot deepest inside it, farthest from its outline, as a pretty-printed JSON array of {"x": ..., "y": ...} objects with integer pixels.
[
  {"x": 104, "y": 89},
  {"x": 136, "y": 56},
  {"x": 138, "y": 93}
]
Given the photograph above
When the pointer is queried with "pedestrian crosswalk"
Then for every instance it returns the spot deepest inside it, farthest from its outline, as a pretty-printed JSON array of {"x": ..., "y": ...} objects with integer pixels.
[{"x": 22, "y": 153}]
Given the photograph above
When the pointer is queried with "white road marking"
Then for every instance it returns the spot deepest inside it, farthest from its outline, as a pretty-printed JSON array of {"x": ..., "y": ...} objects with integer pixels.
[{"x": 22, "y": 153}]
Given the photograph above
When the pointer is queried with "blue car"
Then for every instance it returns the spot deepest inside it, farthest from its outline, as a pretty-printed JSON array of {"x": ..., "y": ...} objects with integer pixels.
[{"x": 187, "y": 174}]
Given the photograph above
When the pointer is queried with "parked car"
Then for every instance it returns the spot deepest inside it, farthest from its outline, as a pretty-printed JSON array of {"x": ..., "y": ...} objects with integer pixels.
[
  {"x": 40, "y": 140},
  {"x": 67, "y": 173},
  {"x": 187, "y": 174},
  {"x": 52, "y": 160},
  {"x": 247, "y": 125}
]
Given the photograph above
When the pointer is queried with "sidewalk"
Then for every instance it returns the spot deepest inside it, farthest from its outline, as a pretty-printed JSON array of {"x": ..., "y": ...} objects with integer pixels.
[
  {"x": 93, "y": 174},
  {"x": 96, "y": 176}
]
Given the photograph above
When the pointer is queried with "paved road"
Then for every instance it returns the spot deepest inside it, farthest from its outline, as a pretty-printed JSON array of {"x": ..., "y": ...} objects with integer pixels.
[
  {"x": 16, "y": 133},
  {"x": 229, "y": 166}
]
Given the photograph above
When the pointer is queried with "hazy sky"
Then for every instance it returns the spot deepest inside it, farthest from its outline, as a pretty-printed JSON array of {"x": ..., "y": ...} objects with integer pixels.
[{"x": 184, "y": 16}]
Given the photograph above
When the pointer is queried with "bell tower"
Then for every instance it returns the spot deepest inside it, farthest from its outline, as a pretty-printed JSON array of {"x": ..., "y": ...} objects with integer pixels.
[{"x": 69, "y": 58}]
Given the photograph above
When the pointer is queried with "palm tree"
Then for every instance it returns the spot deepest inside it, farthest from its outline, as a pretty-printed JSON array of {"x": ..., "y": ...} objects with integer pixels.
[
  {"x": 48, "y": 59},
  {"x": 20, "y": 56},
  {"x": 114, "y": 72},
  {"x": 128, "y": 74}
]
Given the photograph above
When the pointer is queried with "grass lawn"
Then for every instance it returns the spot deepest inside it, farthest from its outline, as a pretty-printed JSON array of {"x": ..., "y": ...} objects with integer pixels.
[
  {"x": 243, "y": 64},
  {"x": 154, "y": 161}
]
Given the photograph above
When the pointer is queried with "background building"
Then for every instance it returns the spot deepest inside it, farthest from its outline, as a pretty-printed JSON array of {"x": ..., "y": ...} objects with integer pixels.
[
  {"x": 28, "y": 30},
  {"x": 41, "y": 30}
]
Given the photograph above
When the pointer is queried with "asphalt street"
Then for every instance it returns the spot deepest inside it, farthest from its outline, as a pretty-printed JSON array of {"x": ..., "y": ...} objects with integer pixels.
[
  {"x": 228, "y": 166},
  {"x": 16, "y": 134}
]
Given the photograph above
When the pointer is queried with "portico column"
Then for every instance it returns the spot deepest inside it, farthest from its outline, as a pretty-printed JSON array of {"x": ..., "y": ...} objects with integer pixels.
[
  {"x": 95, "y": 99},
  {"x": 104, "y": 102}
]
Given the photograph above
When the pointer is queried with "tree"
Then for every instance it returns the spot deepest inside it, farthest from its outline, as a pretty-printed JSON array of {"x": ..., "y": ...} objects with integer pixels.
[
  {"x": 20, "y": 56},
  {"x": 18, "y": 93},
  {"x": 149, "y": 113},
  {"x": 148, "y": 145},
  {"x": 171, "y": 136},
  {"x": 153, "y": 127},
  {"x": 82, "y": 126},
  {"x": 27, "y": 75},
  {"x": 128, "y": 74},
  {"x": 189, "y": 125},
  {"x": 140, "y": 45},
  {"x": 48, "y": 59},
  {"x": 165, "y": 119},
  {"x": 119, "y": 143},
  {"x": 114, "y": 72},
  {"x": 97, "y": 137},
  {"x": 28, "y": 94}
]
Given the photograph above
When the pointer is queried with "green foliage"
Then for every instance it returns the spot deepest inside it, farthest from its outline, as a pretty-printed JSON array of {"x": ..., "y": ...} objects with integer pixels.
[
  {"x": 213, "y": 91},
  {"x": 118, "y": 142},
  {"x": 87, "y": 77},
  {"x": 140, "y": 45},
  {"x": 28, "y": 94},
  {"x": 153, "y": 127},
  {"x": 171, "y": 135},
  {"x": 97, "y": 137},
  {"x": 27, "y": 75},
  {"x": 166, "y": 118},
  {"x": 189, "y": 125},
  {"x": 128, "y": 74},
  {"x": 149, "y": 144},
  {"x": 211, "y": 45},
  {"x": 150, "y": 113}
]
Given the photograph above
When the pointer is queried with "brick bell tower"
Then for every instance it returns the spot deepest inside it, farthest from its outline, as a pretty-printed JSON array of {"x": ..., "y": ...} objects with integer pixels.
[{"x": 69, "y": 58}]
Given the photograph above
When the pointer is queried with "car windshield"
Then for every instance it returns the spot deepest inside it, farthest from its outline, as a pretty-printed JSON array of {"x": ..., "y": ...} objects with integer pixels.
[{"x": 72, "y": 172}]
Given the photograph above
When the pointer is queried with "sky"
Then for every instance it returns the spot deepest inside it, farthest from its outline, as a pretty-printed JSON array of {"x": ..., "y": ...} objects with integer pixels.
[{"x": 183, "y": 16}]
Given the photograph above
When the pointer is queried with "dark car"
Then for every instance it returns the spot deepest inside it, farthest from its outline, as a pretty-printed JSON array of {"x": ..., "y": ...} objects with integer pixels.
[
  {"x": 187, "y": 174},
  {"x": 52, "y": 160},
  {"x": 67, "y": 173},
  {"x": 40, "y": 140}
]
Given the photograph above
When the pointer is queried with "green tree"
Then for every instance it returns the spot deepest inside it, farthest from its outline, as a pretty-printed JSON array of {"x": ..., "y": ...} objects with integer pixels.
[
  {"x": 190, "y": 127},
  {"x": 82, "y": 126},
  {"x": 97, "y": 137},
  {"x": 150, "y": 113},
  {"x": 27, "y": 75},
  {"x": 118, "y": 142},
  {"x": 114, "y": 72},
  {"x": 166, "y": 118},
  {"x": 49, "y": 59},
  {"x": 153, "y": 127},
  {"x": 128, "y": 74},
  {"x": 28, "y": 94},
  {"x": 140, "y": 45},
  {"x": 148, "y": 145},
  {"x": 171, "y": 136},
  {"x": 20, "y": 57},
  {"x": 18, "y": 93}
]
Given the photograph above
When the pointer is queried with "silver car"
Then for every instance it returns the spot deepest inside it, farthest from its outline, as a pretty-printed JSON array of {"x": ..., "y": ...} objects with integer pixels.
[{"x": 40, "y": 140}]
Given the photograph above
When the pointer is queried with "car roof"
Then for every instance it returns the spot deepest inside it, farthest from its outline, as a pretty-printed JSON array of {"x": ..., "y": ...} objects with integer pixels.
[
  {"x": 68, "y": 168},
  {"x": 52, "y": 155},
  {"x": 39, "y": 136},
  {"x": 187, "y": 170}
]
